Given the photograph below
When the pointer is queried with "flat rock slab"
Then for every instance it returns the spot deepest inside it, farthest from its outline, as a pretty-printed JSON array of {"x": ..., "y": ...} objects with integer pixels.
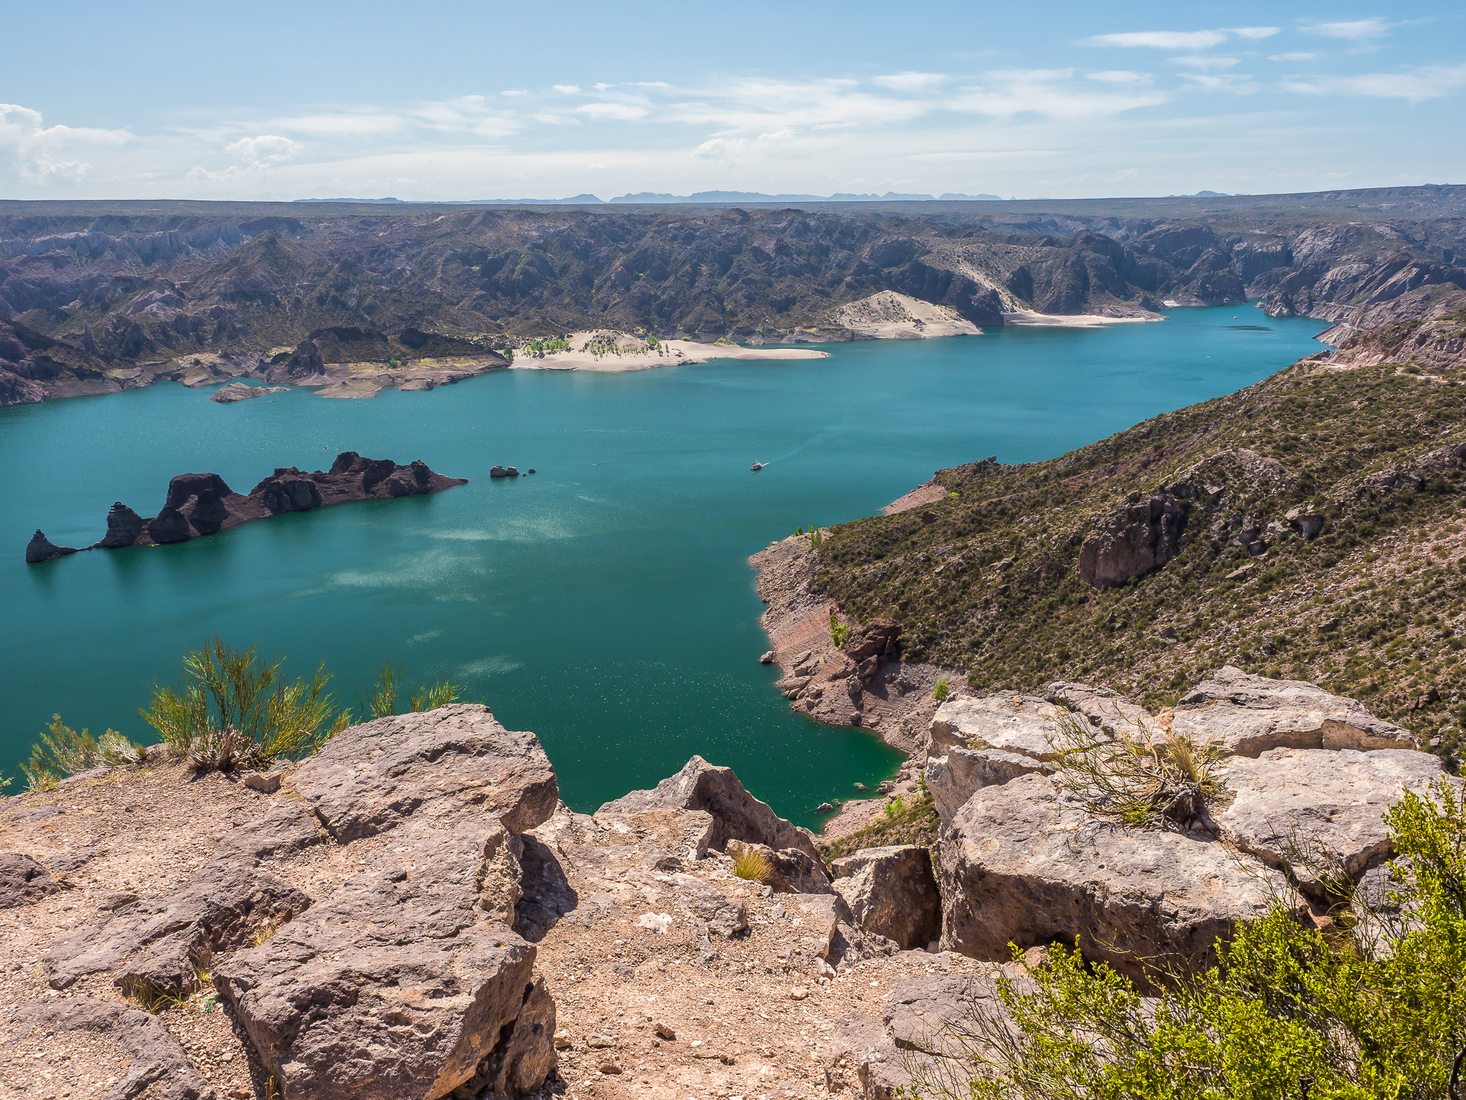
[
  {"x": 1024, "y": 864},
  {"x": 1312, "y": 811},
  {"x": 369, "y": 778},
  {"x": 1008, "y": 721},
  {"x": 154, "y": 946},
  {"x": 892, "y": 892},
  {"x": 155, "y": 1068},
  {"x": 1248, "y": 715}
]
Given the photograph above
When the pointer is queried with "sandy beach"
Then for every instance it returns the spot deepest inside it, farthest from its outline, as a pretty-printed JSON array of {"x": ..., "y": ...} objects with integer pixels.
[
  {"x": 888, "y": 315},
  {"x": 1073, "y": 320}
]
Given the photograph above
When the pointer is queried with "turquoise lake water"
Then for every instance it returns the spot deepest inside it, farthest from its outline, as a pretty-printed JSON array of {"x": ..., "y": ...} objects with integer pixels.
[{"x": 604, "y": 603}]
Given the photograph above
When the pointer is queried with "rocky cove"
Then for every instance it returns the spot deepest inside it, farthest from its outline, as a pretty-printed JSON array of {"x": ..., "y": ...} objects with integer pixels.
[{"x": 411, "y": 911}]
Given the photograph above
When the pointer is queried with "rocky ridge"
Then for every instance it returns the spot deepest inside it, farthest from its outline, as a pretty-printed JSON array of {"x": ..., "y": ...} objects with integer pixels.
[
  {"x": 411, "y": 912},
  {"x": 353, "y": 299},
  {"x": 202, "y": 504},
  {"x": 1292, "y": 526}
]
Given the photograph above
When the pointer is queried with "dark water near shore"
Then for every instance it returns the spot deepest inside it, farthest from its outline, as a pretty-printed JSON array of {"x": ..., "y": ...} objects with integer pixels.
[{"x": 603, "y": 603}]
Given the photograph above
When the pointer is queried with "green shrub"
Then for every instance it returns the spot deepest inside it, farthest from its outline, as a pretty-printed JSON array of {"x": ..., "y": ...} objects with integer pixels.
[
  {"x": 61, "y": 751},
  {"x": 839, "y": 631},
  {"x": 236, "y": 710},
  {"x": 1287, "y": 1011},
  {"x": 383, "y": 699},
  {"x": 904, "y": 821},
  {"x": 942, "y": 690}
]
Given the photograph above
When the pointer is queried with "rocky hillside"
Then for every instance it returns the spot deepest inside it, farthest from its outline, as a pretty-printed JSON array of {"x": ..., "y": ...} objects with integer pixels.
[
  {"x": 410, "y": 912},
  {"x": 1309, "y": 526},
  {"x": 93, "y": 300}
]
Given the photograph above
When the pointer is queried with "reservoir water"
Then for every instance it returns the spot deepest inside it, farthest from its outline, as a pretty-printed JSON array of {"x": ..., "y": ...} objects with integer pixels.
[{"x": 605, "y": 602}]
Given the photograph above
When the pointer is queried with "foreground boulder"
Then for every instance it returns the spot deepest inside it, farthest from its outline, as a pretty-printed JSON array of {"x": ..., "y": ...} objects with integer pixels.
[
  {"x": 891, "y": 892},
  {"x": 1302, "y": 779},
  {"x": 1025, "y": 863},
  {"x": 1319, "y": 815},
  {"x": 406, "y": 982},
  {"x": 203, "y": 504},
  {"x": 736, "y": 814},
  {"x": 407, "y": 979}
]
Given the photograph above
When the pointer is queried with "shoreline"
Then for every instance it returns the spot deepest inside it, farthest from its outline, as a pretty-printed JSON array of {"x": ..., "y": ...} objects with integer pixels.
[
  {"x": 669, "y": 353},
  {"x": 1028, "y": 318}
]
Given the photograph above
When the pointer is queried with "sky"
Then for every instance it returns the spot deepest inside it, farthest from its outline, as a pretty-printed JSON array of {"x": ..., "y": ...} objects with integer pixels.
[{"x": 454, "y": 100}]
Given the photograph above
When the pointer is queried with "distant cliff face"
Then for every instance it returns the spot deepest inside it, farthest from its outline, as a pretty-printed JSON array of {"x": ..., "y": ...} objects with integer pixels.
[{"x": 92, "y": 301}]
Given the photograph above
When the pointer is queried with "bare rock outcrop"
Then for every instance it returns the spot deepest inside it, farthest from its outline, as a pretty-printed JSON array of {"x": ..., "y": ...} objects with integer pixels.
[
  {"x": 22, "y": 880},
  {"x": 1302, "y": 782},
  {"x": 736, "y": 814},
  {"x": 1139, "y": 538},
  {"x": 203, "y": 504},
  {"x": 892, "y": 892}
]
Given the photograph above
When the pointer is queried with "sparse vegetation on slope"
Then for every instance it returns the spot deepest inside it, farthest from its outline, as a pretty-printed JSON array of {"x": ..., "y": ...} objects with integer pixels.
[{"x": 1315, "y": 521}]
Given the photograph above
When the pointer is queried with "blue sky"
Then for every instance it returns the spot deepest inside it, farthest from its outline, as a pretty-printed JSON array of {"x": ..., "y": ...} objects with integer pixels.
[{"x": 460, "y": 100}]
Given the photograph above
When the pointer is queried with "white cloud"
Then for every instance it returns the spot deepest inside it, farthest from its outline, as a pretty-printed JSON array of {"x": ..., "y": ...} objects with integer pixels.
[
  {"x": 1413, "y": 85},
  {"x": 339, "y": 124},
  {"x": 1119, "y": 76},
  {"x": 1050, "y": 93},
  {"x": 1180, "y": 40},
  {"x": 1353, "y": 30},
  {"x": 263, "y": 150},
  {"x": 617, "y": 112},
  {"x": 909, "y": 81},
  {"x": 565, "y": 89},
  {"x": 1233, "y": 83},
  {"x": 1205, "y": 61},
  {"x": 1292, "y": 55},
  {"x": 1162, "y": 40}
]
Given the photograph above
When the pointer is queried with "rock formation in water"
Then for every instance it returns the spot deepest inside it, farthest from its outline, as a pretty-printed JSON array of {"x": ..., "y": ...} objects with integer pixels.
[
  {"x": 411, "y": 912},
  {"x": 202, "y": 504},
  {"x": 238, "y": 391}
]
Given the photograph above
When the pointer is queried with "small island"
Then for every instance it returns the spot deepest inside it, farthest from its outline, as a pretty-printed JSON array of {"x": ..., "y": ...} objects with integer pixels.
[{"x": 203, "y": 504}]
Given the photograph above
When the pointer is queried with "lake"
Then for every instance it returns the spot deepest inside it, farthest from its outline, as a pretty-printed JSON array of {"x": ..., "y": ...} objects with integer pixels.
[{"x": 604, "y": 603}]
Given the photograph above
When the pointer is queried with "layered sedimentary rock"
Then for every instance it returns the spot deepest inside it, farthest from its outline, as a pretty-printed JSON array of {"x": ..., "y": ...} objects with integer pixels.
[{"x": 203, "y": 504}]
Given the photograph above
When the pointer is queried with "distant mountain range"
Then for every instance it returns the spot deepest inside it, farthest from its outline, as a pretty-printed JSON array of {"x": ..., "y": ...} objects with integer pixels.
[{"x": 649, "y": 197}]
